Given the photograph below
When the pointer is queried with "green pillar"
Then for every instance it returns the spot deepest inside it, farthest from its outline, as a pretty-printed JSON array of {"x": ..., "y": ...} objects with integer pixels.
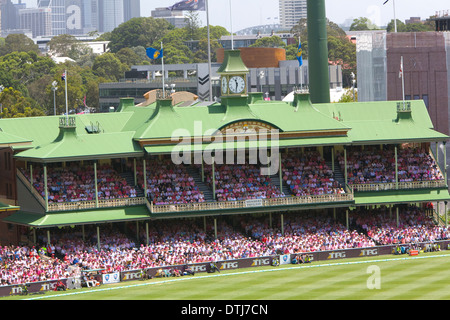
[
  {"x": 146, "y": 232},
  {"x": 48, "y": 238},
  {"x": 144, "y": 163},
  {"x": 98, "y": 238},
  {"x": 96, "y": 184},
  {"x": 346, "y": 218},
  {"x": 213, "y": 179},
  {"x": 280, "y": 172},
  {"x": 445, "y": 214},
  {"x": 45, "y": 187},
  {"x": 282, "y": 224},
  {"x": 398, "y": 218},
  {"x": 445, "y": 163},
  {"x": 31, "y": 175},
  {"x": 396, "y": 168},
  {"x": 215, "y": 228},
  {"x": 345, "y": 168},
  {"x": 332, "y": 159},
  {"x": 319, "y": 79},
  {"x": 134, "y": 172}
]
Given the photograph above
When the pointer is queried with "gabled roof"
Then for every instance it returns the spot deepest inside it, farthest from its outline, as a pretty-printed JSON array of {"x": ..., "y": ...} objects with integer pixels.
[{"x": 385, "y": 122}]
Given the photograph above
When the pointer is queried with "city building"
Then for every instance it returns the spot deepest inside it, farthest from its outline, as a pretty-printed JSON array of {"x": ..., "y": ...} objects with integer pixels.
[
  {"x": 174, "y": 17},
  {"x": 38, "y": 21},
  {"x": 291, "y": 11}
]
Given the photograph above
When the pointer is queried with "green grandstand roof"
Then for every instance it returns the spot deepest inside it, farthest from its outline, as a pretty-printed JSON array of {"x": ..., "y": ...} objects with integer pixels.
[
  {"x": 130, "y": 131},
  {"x": 132, "y": 213},
  {"x": 380, "y": 122}
]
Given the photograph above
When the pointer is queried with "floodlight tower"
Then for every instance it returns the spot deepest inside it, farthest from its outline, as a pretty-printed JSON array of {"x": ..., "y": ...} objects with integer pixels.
[{"x": 319, "y": 79}]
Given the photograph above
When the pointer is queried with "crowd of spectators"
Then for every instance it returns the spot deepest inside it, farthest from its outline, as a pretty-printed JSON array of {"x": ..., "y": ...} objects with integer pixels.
[
  {"x": 308, "y": 174},
  {"x": 375, "y": 165},
  {"x": 186, "y": 241},
  {"x": 413, "y": 226},
  {"x": 241, "y": 182},
  {"x": 168, "y": 183},
  {"x": 77, "y": 183}
]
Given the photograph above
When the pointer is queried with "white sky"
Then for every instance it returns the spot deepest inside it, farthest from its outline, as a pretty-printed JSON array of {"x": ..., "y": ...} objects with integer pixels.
[{"x": 247, "y": 13}]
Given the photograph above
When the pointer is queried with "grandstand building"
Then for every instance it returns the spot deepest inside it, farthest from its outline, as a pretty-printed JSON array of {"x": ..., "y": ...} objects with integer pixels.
[{"x": 174, "y": 156}]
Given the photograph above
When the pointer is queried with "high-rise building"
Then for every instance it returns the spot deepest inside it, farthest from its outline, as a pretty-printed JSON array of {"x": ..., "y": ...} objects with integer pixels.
[
  {"x": 291, "y": 11},
  {"x": 78, "y": 17},
  {"x": 37, "y": 20},
  {"x": 175, "y": 17}
]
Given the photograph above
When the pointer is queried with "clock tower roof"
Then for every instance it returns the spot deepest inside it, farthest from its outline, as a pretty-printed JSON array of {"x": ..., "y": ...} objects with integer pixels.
[{"x": 232, "y": 63}]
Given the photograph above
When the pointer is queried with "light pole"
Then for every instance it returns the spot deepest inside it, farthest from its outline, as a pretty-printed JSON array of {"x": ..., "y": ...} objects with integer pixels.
[{"x": 54, "y": 88}]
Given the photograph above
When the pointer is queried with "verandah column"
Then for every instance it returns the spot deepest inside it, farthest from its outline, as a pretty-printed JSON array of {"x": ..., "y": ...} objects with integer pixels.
[
  {"x": 445, "y": 163},
  {"x": 144, "y": 173},
  {"x": 396, "y": 167},
  {"x": 213, "y": 178},
  {"x": 280, "y": 172},
  {"x": 45, "y": 187},
  {"x": 95, "y": 183},
  {"x": 345, "y": 167},
  {"x": 31, "y": 175}
]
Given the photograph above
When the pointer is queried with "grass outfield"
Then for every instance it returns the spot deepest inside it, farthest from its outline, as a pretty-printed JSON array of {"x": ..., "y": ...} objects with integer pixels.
[{"x": 423, "y": 277}]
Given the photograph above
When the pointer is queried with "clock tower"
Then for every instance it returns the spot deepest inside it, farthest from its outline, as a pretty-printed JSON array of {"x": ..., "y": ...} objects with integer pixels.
[{"x": 233, "y": 76}]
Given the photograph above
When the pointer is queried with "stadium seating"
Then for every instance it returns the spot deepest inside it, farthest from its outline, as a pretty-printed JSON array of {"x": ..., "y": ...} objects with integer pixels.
[{"x": 185, "y": 241}]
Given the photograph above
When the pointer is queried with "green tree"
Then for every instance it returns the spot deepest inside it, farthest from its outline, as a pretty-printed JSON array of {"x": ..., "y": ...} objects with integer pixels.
[
  {"x": 66, "y": 45},
  {"x": 15, "y": 105},
  {"x": 18, "y": 43},
  {"x": 269, "y": 42},
  {"x": 108, "y": 66},
  {"x": 143, "y": 31},
  {"x": 362, "y": 23}
]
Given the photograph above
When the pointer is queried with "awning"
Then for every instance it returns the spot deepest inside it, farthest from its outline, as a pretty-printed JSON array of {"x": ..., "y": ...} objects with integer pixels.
[
  {"x": 29, "y": 219},
  {"x": 238, "y": 145},
  {"x": 401, "y": 196},
  {"x": 6, "y": 207}
]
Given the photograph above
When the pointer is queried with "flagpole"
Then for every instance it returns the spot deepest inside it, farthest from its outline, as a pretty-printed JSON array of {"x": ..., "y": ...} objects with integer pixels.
[
  {"x": 209, "y": 51},
  {"x": 163, "y": 73},
  {"x": 231, "y": 22},
  {"x": 403, "y": 82},
  {"x": 301, "y": 67}
]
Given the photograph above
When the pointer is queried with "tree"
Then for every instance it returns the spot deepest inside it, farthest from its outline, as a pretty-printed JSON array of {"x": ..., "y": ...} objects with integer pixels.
[
  {"x": 66, "y": 45},
  {"x": 143, "y": 31},
  {"x": 269, "y": 42},
  {"x": 15, "y": 105},
  {"x": 362, "y": 23},
  {"x": 18, "y": 43},
  {"x": 109, "y": 67}
]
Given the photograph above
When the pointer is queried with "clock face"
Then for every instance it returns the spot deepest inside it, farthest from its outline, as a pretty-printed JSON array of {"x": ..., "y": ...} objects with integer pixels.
[
  {"x": 236, "y": 84},
  {"x": 224, "y": 85}
]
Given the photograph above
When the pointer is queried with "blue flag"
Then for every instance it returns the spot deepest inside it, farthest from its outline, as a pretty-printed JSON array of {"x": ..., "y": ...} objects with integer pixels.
[
  {"x": 189, "y": 5},
  {"x": 154, "y": 53},
  {"x": 299, "y": 54}
]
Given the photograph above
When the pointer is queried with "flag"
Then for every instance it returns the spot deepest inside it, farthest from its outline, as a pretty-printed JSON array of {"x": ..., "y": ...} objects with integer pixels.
[
  {"x": 63, "y": 77},
  {"x": 299, "y": 54},
  {"x": 154, "y": 54},
  {"x": 190, "y": 5},
  {"x": 400, "y": 74}
]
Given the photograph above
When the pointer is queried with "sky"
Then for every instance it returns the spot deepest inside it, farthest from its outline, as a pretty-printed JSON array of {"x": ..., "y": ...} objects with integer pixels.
[{"x": 248, "y": 13}]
